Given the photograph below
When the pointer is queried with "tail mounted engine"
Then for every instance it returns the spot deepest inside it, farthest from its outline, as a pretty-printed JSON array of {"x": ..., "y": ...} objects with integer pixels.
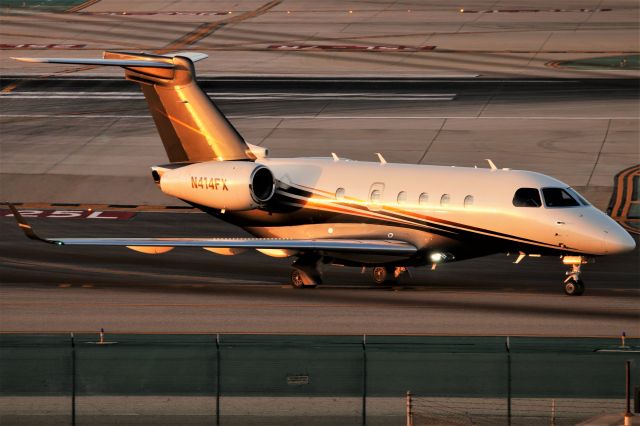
[{"x": 223, "y": 185}]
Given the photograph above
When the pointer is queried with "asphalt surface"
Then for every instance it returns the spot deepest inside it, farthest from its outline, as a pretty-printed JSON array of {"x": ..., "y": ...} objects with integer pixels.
[
  {"x": 92, "y": 141},
  {"x": 51, "y": 288}
]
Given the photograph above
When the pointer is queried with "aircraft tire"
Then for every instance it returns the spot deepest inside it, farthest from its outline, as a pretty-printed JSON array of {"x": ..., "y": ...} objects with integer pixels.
[
  {"x": 383, "y": 275},
  {"x": 297, "y": 281},
  {"x": 574, "y": 288}
]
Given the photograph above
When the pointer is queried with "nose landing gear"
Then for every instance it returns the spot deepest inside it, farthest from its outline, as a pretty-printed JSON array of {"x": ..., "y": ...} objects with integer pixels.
[{"x": 573, "y": 285}]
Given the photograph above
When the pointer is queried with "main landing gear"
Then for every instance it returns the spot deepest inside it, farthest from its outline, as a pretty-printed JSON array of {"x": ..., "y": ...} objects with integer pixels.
[
  {"x": 387, "y": 275},
  {"x": 573, "y": 285},
  {"x": 306, "y": 271}
]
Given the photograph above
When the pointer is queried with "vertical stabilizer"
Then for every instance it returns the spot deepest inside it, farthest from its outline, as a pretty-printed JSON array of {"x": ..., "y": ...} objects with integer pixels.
[{"x": 191, "y": 126}]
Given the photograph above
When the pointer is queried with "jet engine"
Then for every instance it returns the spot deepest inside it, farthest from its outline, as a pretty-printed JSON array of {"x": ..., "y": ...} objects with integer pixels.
[{"x": 224, "y": 185}]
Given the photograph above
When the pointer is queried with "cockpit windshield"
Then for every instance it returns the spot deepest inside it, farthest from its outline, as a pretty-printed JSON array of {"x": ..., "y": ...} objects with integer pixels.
[
  {"x": 559, "y": 197},
  {"x": 578, "y": 197}
]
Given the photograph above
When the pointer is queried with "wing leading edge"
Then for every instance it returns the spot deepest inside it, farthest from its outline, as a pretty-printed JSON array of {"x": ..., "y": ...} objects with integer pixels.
[{"x": 390, "y": 247}]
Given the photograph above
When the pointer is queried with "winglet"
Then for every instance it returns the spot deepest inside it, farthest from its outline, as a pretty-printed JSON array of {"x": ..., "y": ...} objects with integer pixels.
[{"x": 26, "y": 228}]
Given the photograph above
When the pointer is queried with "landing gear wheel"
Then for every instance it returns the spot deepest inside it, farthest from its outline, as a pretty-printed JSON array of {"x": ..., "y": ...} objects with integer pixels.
[
  {"x": 384, "y": 275},
  {"x": 574, "y": 287},
  {"x": 296, "y": 279}
]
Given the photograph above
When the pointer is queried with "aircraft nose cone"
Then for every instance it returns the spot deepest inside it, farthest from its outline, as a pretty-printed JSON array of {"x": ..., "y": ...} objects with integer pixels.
[{"x": 617, "y": 240}]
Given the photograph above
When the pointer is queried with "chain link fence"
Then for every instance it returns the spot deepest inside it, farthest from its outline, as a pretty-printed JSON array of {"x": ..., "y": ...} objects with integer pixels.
[{"x": 203, "y": 379}]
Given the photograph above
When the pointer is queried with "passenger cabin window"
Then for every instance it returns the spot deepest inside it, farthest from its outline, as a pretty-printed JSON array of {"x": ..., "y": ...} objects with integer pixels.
[
  {"x": 340, "y": 194},
  {"x": 376, "y": 196},
  {"x": 558, "y": 197},
  {"x": 402, "y": 197},
  {"x": 424, "y": 199},
  {"x": 468, "y": 201},
  {"x": 444, "y": 200},
  {"x": 527, "y": 197}
]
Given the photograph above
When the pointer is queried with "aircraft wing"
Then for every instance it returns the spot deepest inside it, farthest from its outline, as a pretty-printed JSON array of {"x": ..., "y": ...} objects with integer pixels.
[{"x": 385, "y": 247}]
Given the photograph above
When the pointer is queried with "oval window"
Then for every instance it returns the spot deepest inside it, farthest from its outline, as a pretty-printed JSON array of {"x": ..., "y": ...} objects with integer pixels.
[
  {"x": 444, "y": 200},
  {"x": 402, "y": 197},
  {"x": 376, "y": 195},
  {"x": 424, "y": 199},
  {"x": 340, "y": 194},
  {"x": 468, "y": 200}
]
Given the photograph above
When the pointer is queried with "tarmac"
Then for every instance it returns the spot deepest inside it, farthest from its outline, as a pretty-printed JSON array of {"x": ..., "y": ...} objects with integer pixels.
[
  {"x": 93, "y": 141},
  {"x": 550, "y": 87},
  {"x": 84, "y": 136},
  {"x": 340, "y": 38},
  {"x": 48, "y": 288}
]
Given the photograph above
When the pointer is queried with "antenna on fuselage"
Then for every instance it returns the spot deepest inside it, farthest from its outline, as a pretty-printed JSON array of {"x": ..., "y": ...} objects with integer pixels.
[
  {"x": 381, "y": 158},
  {"x": 493, "y": 166}
]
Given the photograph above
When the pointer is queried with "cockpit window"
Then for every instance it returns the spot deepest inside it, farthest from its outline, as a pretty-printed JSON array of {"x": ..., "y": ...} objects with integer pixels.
[
  {"x": 578, "y": 197},
  {"x": 558, "y": 197},
  {"x": 527, "y": 197}
]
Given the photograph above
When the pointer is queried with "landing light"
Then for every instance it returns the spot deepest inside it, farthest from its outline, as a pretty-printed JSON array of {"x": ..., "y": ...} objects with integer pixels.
[{"x": 437, "y": 257}]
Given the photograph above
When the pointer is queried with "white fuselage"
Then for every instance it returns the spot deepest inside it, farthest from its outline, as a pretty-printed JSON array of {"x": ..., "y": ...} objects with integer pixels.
[{"x": 433, "y": 207}]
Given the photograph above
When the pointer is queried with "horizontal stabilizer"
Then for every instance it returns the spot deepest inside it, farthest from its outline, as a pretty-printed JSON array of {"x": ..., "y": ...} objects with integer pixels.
[{"x": 105, "y": 62}]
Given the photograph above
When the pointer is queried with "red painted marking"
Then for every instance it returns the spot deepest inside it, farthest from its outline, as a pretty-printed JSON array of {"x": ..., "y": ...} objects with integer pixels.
[
  {"x": 533, "y": 10},
  {"x": 363, "y": 48},
  {"x": 41, "y": 46},
  {"x": 71, "y": 214},
  {"x": 176, "y": 13}
]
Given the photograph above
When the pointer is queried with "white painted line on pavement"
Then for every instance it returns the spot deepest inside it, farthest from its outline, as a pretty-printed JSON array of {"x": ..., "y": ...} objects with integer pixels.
[
  {"x": 332, "y": 117},
  {"x": 245, "y": 98},
  {"x": 288, "y": 94},
  {"x": 240, "y": 96}
]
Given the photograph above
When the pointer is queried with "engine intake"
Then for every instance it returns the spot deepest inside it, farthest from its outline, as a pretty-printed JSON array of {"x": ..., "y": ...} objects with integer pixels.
[{"x": 262, "y": 184}]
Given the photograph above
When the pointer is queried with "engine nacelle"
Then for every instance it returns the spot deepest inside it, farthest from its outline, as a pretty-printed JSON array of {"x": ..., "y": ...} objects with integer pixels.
[{"x": 224, "y": 185}]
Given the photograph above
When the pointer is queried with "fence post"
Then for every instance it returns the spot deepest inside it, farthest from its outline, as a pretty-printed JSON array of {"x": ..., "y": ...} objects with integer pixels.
[
  {"x": 508, "y": 348},
  {"x": 364, "y": 379},
  {"x": 628, "y": 415},
  {"x": 409, "y": 409},
  {"x": 218, "y": 379},
  {"x": 73, "y": 381}
]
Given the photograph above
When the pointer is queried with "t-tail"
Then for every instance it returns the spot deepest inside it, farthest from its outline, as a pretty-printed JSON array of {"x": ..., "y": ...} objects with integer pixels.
[{"x": 191, "y": 126}]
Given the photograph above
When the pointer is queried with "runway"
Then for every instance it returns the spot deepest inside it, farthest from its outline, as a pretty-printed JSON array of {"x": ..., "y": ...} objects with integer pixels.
[{"x": 47, "y": 288}]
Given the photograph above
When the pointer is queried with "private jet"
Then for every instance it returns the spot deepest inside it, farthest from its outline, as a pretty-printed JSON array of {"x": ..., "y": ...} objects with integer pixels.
[{"x": 333, "y": 210}]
